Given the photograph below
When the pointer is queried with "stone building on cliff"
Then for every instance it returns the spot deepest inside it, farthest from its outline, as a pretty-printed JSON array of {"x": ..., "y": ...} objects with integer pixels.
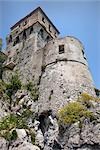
[{"x": 57, "y": 65}]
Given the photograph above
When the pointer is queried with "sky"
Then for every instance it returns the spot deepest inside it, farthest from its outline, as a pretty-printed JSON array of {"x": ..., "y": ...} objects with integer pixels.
[{"x": 79, "y": 18}]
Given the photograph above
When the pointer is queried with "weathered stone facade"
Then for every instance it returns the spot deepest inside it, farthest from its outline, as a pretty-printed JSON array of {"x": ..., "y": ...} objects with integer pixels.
[{"x": 57, "y": 65}]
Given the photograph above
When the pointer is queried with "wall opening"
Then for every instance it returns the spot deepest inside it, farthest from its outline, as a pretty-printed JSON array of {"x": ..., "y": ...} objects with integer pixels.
[
  {"x": 41, "y": 33},
  {"x": 17, "y": 39},
  {"x": 14, "y": 43},
  {"x": 10, "y": 38},
  {"x": 49, "y": 28},
  {"x": 31, "y": 30},
  {"x": 47, "y": 38},
  {"x": 61, "y": 49},
  {"x": 43, "y": 20},
  {"x": 25, "y": 23},
  {"x": 97, "y": 92},
  {"x": 24, "y": 34}
]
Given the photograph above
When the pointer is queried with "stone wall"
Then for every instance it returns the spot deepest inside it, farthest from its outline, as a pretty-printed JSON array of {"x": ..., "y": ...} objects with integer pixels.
[
  {"x": 66, "y": 75},
  {"x": 28, "y": 54},
  {"x": 38, "y": 16},
  {"x": 62, "y": 74}
]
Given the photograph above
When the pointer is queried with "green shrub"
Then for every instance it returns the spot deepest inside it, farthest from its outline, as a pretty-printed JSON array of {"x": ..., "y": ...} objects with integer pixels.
[
  {"x": 13, "y": 85},
  {"x": 9, "y": 136},
  {"x": 72, "y": 113},
  {"x": 32, "y": 137},
  {"x": 87, "y": 99},
  {"x": 15, "y": 121},
  {"x": 2, "y": 88},
  {"x": 27, "y": 114},
  {"x": 29, "y": 86},
  {"x": 33, "y": 90},
  {"x": 11, "y": 122}
]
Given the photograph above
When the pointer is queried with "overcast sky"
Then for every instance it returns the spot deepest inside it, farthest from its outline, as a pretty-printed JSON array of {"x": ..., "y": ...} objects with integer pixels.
[{"x": 79, "y": 18}]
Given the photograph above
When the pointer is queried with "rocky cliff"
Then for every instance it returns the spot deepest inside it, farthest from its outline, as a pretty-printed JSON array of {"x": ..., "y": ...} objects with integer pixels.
[{"x": 75, "y": 126}]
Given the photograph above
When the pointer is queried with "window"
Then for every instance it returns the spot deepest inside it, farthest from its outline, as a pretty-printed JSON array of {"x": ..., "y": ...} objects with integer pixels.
[
  {"x": 97, "y": 92},
  {"x": 55, "y": 34},
  {"x": 9, "y": 58},
  {"x": 10, "y": 38},
  {"x": 49, "y": 28},
  {"x": 47, "y": 38},
  {"x": 14, "y": 43},
  {"x": 24, "y": 34},
  {"x": 16, "y": 31},
  {"x": 61, "y": 49},
  {"x": 17, "y": 39},
  {"x": 41, "y": 32},
  {"x": 31, "y": 30},
  {"x": 43, "y": 20},
  {"x": 24, "y": 23}
]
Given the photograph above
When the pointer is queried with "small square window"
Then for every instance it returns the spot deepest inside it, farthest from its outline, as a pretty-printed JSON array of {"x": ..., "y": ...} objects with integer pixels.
[{"x": 61, "y": 49}]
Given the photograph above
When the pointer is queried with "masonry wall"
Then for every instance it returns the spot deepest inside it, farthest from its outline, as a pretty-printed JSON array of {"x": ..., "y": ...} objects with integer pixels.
[
  {"x": 37, "y": 17},
  {"x": 28, "y": 55},
  {"x": 62, "y": 76},
  {"x": 65, "y": 76}
]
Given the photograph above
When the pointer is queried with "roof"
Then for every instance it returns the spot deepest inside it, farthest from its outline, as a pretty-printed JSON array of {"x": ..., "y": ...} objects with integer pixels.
[{"x": 37, "y": 9}]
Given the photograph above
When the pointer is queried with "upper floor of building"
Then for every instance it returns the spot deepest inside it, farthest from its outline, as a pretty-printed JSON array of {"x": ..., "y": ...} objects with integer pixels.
[{"x": 27, "y": 24}]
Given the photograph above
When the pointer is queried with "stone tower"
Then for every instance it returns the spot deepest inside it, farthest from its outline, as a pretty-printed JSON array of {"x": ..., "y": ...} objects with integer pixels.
[
  {"x": 25, "y": 42},
  {"x": 57, "y": 65}
]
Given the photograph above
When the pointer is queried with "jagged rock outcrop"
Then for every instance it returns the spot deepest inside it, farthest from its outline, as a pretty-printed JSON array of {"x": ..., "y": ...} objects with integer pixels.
[{"x": 48, "y": 133}]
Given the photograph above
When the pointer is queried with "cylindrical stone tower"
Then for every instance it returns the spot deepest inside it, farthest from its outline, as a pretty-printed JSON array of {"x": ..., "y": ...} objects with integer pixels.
[{"x": 66, "y": 73}]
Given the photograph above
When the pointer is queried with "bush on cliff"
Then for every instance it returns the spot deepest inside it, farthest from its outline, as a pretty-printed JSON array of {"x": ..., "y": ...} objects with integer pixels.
[
  {"x": 9, "y": 123},
  {"x": 72, "y": 113},
  {"x": 87, "y": 100},
  {"x": 13, "y": 85},
  {"x": 33, "y": 90}
]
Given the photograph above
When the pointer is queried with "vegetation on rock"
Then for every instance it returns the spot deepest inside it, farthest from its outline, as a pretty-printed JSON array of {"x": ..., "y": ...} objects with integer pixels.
[
  {"x": 13, "y": 85},
  {"x": 72, "y": 113},
  {"x": 12, "y": 121},
  {"x": 33, "y": 90},
  {"x": 87, "y": 100}
]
